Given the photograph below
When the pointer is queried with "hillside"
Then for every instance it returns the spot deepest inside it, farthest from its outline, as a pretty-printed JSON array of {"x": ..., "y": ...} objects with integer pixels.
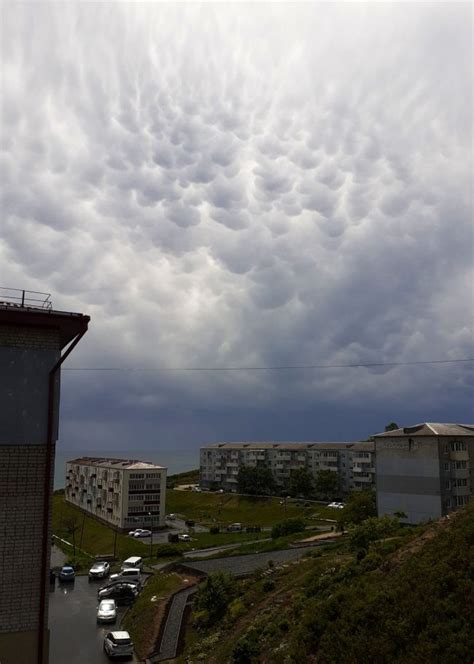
[{"x": 409, "y": 601}]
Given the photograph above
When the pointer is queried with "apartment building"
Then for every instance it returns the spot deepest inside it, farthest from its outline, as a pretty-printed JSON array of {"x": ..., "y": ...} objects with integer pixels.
[
  {"x": 354, "y": 462},
  {"x": 34, "y": 341},
  {"x": 123, "y": 493},
  {"x": 425, "y": 470}
]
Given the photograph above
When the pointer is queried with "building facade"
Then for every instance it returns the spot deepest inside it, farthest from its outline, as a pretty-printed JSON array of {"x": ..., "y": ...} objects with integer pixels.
[
  {"x": 32, "y": 338},
  {"x": 123, "y": 493},
  {"x": 354, "y": 462},
  {"x": 425, "y": 470}
]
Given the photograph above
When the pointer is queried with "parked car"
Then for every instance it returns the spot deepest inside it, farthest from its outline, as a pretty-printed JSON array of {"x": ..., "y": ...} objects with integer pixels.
[
  {"x": 234, "y": 528},
  {"x": 140, "y": 532},
  {"x": 99, "y": 570},
  {"x": 131, "y": 573},
  {"x": 122, "y": 593},
  {"x": 184, "y": 537},
  {"x": 190, "y": 523},
  {"x": 338, "y": 506},
  {"x": 133, "y": 561},
  {"x": 67, "y": 573},
  {"x": 107, "y": 611},
  {"x": 173, "y": 537},
  {"x": 118, "y": 644},
  {"x": 170, "y": 517}
]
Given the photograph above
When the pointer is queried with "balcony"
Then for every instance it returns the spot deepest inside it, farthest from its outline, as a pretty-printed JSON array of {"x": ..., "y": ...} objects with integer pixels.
[{"x": 459, "y": 456}]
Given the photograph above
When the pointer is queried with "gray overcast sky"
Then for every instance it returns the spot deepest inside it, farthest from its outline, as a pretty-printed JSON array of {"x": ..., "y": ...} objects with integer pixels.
[{"x": 241, "y": 185}]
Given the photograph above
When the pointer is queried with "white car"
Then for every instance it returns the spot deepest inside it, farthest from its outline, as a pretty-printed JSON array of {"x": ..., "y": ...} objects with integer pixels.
[
  {"x": 140, "y": 532},
  {"x": 170, "y": 517},
  {"x": 99, "y": 570},
  {"x": 183, "y": 537},
  {"x": 338, "y": 506},
  {"x": 118, "y": 644},
  {"x": 107, "y": 611}
]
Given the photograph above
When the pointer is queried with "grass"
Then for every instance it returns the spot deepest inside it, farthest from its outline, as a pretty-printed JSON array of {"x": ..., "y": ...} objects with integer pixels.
[
  {"x": 142, "y": 619},
  {"x": 91, "y": 535},
  {"x": 188, "y": 477},
  {"x": 222, "y": 509}
]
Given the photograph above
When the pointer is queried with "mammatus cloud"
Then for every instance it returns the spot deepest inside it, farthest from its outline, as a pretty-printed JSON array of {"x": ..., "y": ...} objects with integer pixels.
[{"x": 245, "y": 186}]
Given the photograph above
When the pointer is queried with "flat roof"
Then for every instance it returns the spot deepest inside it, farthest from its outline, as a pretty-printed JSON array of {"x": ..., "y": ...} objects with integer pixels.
[
  {"x": 68, "y": 323},
  {"x": 292, "y": 446},
  {"x": 430, "y": 429},
  {"x": 116, "y": 464}
]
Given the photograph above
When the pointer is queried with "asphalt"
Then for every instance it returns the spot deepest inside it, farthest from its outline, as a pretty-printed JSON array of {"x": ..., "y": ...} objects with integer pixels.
[
  {"x": 75, "y": 636},
  {"x": 242, "y": 565}
]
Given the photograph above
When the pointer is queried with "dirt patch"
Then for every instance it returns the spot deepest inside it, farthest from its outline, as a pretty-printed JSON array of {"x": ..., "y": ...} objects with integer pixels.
[{"x": 322, "y": 536}]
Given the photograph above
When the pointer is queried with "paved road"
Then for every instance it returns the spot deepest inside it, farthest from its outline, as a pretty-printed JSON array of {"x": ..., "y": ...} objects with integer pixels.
[
  {"x": 76, "y": 638},
  {"x": 241, "y": 565}
]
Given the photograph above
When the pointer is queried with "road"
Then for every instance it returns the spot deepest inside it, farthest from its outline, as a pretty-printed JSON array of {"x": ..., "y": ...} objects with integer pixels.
[
  {"x": 243, "y": 565},
  {"x": 75, "y": 637}
]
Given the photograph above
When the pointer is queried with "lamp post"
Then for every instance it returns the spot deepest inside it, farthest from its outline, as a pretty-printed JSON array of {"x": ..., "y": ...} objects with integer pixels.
[{"x": 151, "y": 535}]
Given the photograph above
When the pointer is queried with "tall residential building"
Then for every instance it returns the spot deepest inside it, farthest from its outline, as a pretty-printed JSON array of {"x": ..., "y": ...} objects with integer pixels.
[
  {"x": 32, "y": 337},
  {"x": 123, "y": 493},
  {"x": 424, "y": 470},
  {"x": 354, "y": 462}
]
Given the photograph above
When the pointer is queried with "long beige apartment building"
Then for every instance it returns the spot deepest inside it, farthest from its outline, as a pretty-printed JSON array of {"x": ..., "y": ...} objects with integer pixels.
[
  {"x": 121, "y": 492},
  {"x": 354, "y": 462}
]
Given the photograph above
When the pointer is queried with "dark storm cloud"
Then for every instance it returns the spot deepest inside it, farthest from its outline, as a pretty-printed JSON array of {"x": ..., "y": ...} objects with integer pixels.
[{"x": 238, "y": 187}]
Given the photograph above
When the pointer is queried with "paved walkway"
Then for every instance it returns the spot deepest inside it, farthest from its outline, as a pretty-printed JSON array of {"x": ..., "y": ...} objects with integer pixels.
[{"x": 170, "y": 638}]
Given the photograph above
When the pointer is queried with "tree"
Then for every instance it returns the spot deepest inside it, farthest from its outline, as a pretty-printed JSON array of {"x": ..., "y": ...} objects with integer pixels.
[
  {"x": 214, "y": 596},
  {"x": 372, "y": 529},
  {"x": 71, "y": 523},
  {"x": 288, "y": 527},
  {"x": 360, "y": 505},
  {"x": 256, "y": 481},
  {"x": 327, "y": 484},
  {"x": 301, "y": 483},
  {"x": 391, "y": 426}
]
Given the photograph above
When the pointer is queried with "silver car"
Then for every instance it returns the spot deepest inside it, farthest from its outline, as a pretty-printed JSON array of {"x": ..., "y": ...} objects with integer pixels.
[
  {"x": 118, "y": 644},
  {"x": 99, "y": 570},
  {"x": 107, "y": 611}
]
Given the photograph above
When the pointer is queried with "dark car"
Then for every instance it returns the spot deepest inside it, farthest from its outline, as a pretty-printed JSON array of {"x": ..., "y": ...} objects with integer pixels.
[
  {"x": 122, "y": 593},
  {"x": 66, "y": 573}
]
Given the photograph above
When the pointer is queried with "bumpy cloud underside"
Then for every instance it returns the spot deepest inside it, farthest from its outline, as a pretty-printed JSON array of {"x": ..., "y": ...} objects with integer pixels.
[{"x": 241, "y": 186}]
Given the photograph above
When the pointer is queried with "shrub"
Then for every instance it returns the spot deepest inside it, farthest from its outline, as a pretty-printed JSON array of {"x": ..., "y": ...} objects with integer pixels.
[
  {"x": 165, "y": 550},
  {"x": 288, "y": 527},
  {"x": 268, "y": 585},
  {"x": 214, "y": 530},
  {"x": 236, "y": 609}
]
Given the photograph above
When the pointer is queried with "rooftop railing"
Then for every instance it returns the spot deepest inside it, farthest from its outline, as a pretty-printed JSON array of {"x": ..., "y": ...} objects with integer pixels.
[{"x": 15, "y": 297}]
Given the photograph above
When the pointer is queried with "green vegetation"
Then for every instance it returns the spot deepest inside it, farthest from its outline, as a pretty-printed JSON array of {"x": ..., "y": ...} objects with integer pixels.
[
  {"x": 222, "y": 509},
  {"x": 90, "y": 535},
  {"x": 301, "y": 483},
  {"x": 360, "y": 505},
  {"x": 143, "y": 618},
  {"x": 188, "y": 477},
  {"x": 288, "y": 527},
  {"x": 327, "y": 485},
  {"x": 409, "y": 600},
  {"x": 213, "y": 597},
  {"x": 256, "y": 481}
]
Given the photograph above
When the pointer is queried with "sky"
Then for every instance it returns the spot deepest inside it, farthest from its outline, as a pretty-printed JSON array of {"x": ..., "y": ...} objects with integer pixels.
[{"x": 244, "y": 185}]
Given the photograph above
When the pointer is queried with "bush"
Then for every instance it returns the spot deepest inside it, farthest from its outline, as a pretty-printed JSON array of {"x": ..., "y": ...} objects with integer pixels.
[
  {"x": 214, "y": 595},
  {"x": 288, "y": 527},
  {"x": 167, "y": 550},
  {"x": 214, "y": 530},
  {"x": 246, "y": 649},
  {"x": 236, "y": 609},
  {"x": 268, "y": 585}
]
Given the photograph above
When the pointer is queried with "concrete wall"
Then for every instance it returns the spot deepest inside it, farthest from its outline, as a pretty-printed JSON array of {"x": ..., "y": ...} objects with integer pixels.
[{"x": 408, "y": 477}]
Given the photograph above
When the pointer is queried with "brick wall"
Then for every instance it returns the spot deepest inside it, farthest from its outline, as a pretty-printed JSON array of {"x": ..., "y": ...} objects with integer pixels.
[
  {"x": 22, "y": 469},
  {"x": 40, "y": 338}
]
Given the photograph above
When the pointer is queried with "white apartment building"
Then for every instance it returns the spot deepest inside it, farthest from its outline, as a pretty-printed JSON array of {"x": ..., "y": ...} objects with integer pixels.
[
  {"x": 354, "y": 462},
  {"x": 121, "y": 492}
]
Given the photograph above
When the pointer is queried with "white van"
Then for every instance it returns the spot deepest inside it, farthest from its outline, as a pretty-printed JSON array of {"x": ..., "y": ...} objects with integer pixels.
[{"x": 135, "y": 562}]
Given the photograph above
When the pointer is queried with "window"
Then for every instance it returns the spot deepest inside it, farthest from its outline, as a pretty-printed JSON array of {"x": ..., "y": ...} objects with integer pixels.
[
  {"x": 458, "y": 465},
  {"x": 137, "y": 476},
  {"x": 447, "y": 484},
  {"x": 460, "y": 482},
  {"x": 446, "y": 465},
  {"x": 461, "y": 500},
  {"x": 458, "y": 446}
]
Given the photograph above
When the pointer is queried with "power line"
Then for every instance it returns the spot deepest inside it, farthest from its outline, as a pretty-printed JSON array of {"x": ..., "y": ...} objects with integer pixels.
[{"x": 298, "y": 367}]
